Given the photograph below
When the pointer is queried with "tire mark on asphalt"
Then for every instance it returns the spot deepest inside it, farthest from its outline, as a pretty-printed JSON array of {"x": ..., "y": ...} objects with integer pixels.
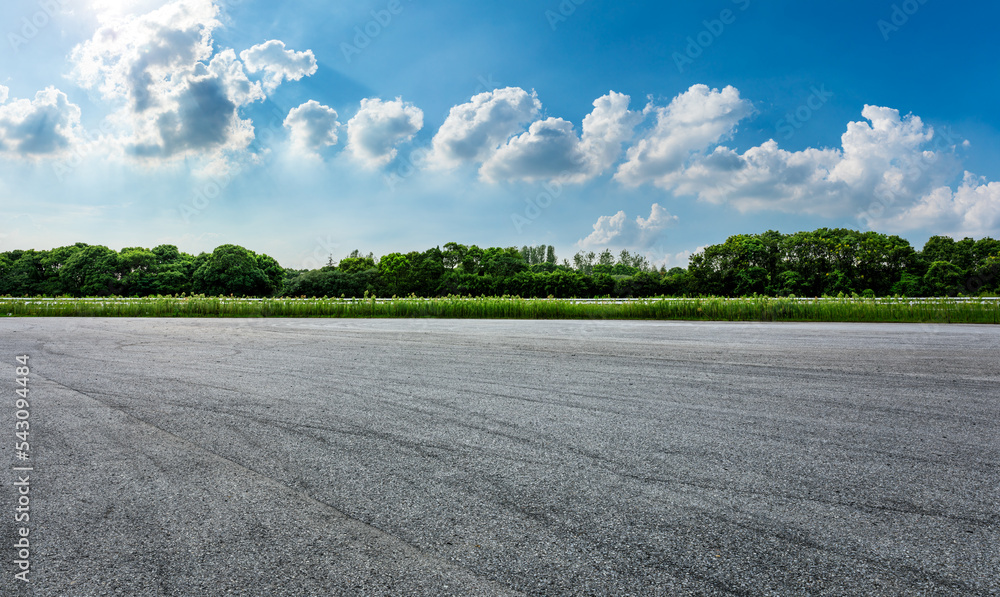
[
  {"x": 609, "y": 464},
  {"x": 559, "y": 528},
  {"x": 612, "y": 466},
  {"x": 915, "y": 572},
  {"x": 374, "y": 530}
]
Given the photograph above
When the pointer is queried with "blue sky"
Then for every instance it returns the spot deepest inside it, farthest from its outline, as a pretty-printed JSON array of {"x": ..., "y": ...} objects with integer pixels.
[{"x": 305, "y": 128}]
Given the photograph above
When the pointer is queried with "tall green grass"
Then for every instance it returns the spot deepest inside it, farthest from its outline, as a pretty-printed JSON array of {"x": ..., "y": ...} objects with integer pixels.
[{"x": 705, "y": 309}]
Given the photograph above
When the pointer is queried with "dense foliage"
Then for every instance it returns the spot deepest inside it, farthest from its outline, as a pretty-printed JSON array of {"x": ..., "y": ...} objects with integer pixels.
[
  {"x": 827, "y": 262},
  {"x": 89, "y": 270}
]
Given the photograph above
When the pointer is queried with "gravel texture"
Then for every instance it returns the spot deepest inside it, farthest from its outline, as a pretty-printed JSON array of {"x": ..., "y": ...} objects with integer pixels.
[{"x": 442, "y": 457}]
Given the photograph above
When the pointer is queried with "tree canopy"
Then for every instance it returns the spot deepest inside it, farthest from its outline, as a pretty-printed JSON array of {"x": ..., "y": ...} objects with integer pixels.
[{"x": 821, "y": 262}]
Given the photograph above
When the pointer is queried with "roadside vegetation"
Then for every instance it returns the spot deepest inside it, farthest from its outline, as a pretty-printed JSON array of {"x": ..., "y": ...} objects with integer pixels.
[
  {"x": 932, "y": 310},
  {"x": 824, "y": 262}
]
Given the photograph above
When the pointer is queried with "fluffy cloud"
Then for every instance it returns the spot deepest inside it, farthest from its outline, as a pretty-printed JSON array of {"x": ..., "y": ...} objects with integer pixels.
[
  {"x": 618, "y": 230},
  {"x": 45, "y": 126},
  {"x": 312, "y": 126},
  {"x": 201, "y": 113},
  {"x": 133, "y": 58},
  {"x": 890, "y": 159},
  {"x": 474, "y": 130},
  {"x": 178, "y": 97},
  {"x": 378, "y": 127},
  {"x": 764, "y": 177},
  {"x": 3, "y": 94},
  {"x": 605, "y": 130},
  {"x": 694, "y": 121},
  {"x": 550, "y": 150},
  {"x": 278, "y": 64},
  {"x": 971, "y": 210}
]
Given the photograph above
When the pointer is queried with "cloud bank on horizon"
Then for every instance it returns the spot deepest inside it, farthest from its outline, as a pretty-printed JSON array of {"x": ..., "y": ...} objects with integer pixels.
[{"x": 173, "y": 95}]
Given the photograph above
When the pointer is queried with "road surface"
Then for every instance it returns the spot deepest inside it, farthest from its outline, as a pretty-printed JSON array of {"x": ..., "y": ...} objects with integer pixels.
[{"x": 441, "y": 457}]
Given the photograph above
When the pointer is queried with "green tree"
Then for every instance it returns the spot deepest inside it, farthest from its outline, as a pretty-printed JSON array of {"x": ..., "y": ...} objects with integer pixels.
[
  {"x": 944, "y": 279},
  {"x": 138, "y": 271},
  {"x": 986, "y": 248},
  {"x": 427, "y": 271},
  {"x": 395, "y": 270},
  {"x": 174, "y": 270},
  {"x": 230, "y": 270},
  {"x": 961, "y": 253},
  {"x": 606, "y": 258},
  {"x": 91, "y": 271},
  {"x": 351, "y": 265},
  {"x": 453, "y": 255},
  {"x": 550, "y": 255},
  {"x": 675, "y": 282},
  {"x": 881, "y": 261},
  {"x": 908, "y": 285},
  {"x": 28, "y": 275},
  {"x": 274, "y": 273},
  {"x": 837, "y": 282},
  {"x": 52, "y": 262},
  {"x": 986, "y": 277},
  {"x": 6, "y": 266},
  {"x": 584, "y": 262},
  {"x": 791, "y": 283},
  {"x": 472, "y": 260},
  {"x": 503, "y": 263},
  {"x": 744, "y": 264}
]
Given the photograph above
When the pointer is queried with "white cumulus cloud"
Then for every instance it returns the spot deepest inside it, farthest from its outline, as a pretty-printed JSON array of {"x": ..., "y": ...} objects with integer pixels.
[
  {"x": 3, "y": 93},
  {"x": 973, "y": 209},
  {"x": 379, "y": 127},
  {"x": 278, "y": 63},
  {"x": 312, "y": 126},
  {"x": 891, "y": 158},
  {"x": 474, "y": 130},
  {"x": 44, "y": 126},
  {"x": 618, "y": 230},
  {"x": 129, "y": 58},
  {"x": 693, "y": 122},
  {"x": 551, "y": 150},
  {"x": 605, "y": 130},
  {"x": 177, "y": 95}
]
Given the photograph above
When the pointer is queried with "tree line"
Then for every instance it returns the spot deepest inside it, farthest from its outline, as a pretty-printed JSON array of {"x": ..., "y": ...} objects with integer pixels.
[
  {"x": 93, "y": 270},
  {"x": 824, "y": 262}
]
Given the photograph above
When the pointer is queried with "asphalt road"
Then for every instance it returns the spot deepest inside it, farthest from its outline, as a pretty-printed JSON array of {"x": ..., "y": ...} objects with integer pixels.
[{"x": 437, "y": 457}]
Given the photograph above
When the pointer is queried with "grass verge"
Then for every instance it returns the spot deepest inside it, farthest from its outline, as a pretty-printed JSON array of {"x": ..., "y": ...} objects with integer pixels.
[{"x": 901, "y": 310}]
